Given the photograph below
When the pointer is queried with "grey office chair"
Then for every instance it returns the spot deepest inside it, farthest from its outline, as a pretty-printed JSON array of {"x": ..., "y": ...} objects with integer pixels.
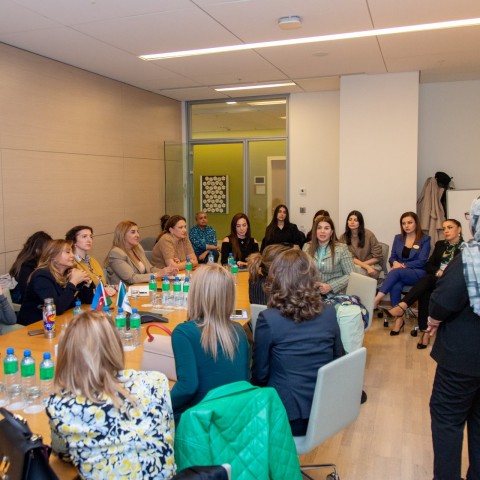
[
  {"x": 255, "y": 309},
  {"x": 336, "y": 404},
  {"x": 148, "y": 243},
  {"x": 364, "y": 288}
]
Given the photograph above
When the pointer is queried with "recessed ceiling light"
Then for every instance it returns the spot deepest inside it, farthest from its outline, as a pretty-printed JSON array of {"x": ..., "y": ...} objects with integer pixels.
[
  {"x": 253, "y": 87},
  {"x": 231, "y": 103},
  {"x": 268, "y": 102},
  {"x": 290, "y": 23}
]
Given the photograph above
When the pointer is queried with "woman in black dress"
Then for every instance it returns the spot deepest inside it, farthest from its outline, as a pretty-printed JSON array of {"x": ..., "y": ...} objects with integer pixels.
[
  {"x": 240, "y": 241},
  {"x": 281, "y": 230}
]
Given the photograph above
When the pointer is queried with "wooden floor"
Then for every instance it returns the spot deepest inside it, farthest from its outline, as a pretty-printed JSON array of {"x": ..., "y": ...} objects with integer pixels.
[{"x": 391, "y": 438}]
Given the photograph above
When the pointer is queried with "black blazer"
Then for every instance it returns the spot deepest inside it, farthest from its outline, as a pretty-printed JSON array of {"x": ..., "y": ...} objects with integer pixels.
[
  {"x": 42, "y": 285},
  {"x": 287, "y": 356},
  {"x": 435, "y": 259}
]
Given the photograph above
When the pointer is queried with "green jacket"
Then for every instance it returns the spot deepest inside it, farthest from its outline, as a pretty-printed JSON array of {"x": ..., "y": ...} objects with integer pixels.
[{"x": 242, "y": 425}]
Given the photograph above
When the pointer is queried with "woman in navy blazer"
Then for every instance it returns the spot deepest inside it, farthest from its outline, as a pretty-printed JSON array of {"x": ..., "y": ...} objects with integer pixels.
[{"x": 410, "y": 252}]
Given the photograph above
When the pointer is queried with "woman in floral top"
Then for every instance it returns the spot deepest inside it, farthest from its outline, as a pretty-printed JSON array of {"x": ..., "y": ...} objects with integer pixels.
[{"x": 118, "y": 424}]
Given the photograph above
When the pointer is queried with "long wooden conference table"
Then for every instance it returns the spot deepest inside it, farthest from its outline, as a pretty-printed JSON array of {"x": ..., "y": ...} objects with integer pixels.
[{"x": 20, "y": 340}]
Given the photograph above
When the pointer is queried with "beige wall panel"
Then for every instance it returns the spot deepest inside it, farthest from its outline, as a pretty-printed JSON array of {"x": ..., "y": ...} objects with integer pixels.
[
  {"x": 3, "y": 266},
  {"x": 53, "y": 192},
  {"x": 148, "y": 121},
  {"x": 2, "y": 230},
  {"x": 50, "y": 106},
  {"x": 144, "y": 187}
]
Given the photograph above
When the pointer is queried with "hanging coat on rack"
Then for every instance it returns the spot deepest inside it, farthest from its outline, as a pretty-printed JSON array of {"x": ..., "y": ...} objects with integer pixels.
[{"x": 430, "y": 210}]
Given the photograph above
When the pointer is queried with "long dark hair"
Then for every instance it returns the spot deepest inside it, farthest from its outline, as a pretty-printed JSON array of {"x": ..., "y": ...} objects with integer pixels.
[
  {"x": 331, "y": 243},
  {"x": 271, "y": 226},
  {"x": 323, "y": 213},
  {"x": 233, "y": 234},
  {"x": 418, "y": 228},
  {"x": 361, "y": 229},
  {"x": 32, "y": 250}
]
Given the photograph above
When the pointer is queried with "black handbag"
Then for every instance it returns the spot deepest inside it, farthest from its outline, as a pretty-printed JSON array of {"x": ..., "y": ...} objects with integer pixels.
[{"x": 23, "y": 455}]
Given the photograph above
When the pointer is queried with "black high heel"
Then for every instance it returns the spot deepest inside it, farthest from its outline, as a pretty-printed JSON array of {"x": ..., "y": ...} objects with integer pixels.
[
  {"x": 394, "y": 333},
  {"x": 421, "y": 345}
]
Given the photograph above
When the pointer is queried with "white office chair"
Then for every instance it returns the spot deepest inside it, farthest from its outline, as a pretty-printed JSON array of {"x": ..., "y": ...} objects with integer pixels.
[
  {"x": 364, "y": 288},
  {"x": 255, "y": 309},
  {"x": 336, "y": 404}
]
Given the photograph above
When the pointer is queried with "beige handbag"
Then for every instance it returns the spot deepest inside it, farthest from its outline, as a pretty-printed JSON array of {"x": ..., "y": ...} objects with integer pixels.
[{"x": 158, "y": 352}]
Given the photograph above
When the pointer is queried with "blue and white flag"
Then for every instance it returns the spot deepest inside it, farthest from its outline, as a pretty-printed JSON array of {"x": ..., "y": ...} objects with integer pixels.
[{"x": 122, "y": 298}]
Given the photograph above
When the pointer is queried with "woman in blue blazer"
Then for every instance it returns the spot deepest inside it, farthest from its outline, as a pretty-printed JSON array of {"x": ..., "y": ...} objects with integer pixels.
[{"x": 410, "y": 252}]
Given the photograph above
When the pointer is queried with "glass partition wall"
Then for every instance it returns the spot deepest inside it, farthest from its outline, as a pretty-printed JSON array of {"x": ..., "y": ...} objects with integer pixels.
[{"x": 237, "y": 161}]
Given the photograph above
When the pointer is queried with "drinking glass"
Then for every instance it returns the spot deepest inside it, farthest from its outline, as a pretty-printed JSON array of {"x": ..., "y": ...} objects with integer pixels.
[
  {"x": 135, "y": 292},
  {"x": 3, "y": 396},
  {"x": 15, "y": 398},
  {"x": 33, "y": 399},
  {"x": 128, "y": 342}
]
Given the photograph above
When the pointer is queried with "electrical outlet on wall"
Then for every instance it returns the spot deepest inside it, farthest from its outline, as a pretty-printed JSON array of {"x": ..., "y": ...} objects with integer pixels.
[{"x": 303, "y": 191}]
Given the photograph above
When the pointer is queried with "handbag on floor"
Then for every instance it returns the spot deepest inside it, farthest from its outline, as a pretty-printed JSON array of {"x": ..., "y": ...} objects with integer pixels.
[
  {"x": 23, "y": 455},
  {"x": 158, "y": 353}
]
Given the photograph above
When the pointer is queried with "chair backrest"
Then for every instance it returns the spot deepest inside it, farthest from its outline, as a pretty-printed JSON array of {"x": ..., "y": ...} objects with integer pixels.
[
  {"x": 336, "y": 400},
  {"x": 365, "y": 288},
  {"x": 148, "y": 243},
  {"x": 255, "y": 309},
  {"x": 15, "y": 306},
  {"x": 385, "y": 252}
]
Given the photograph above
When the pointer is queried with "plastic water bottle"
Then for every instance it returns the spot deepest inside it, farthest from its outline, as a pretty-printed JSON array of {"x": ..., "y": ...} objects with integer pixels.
[
  {"x": 27, "y": 369},
  {"x": 46, "y": 375},
  {"x": 106, "y": 311},
  {"x": 231, "y": 260},
  {"x": 186, "y": 288},
  {"x": 78, "y": 308},
  {"x": 121, "y": 322},
  {"x": 13, "y": 386},
  {"x": 135, "y": 324},
  {"x": 177, "y": 293},
  {"x": 188, "y": 267},
  {"x": 211, "y": 258},
  {"x": 165, "y": 291},
  {"x": 152, "y": 288},
  {"x": 234, "y": 271}
]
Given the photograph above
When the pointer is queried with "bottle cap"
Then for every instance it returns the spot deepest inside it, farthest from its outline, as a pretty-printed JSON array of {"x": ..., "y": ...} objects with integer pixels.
[
  {"x": 187, "y": 279},
  {"x": 134, "y": 310},
  {"x": 188, "y": 259},
  {"x": 165, "y": 277},
  {"x": 78, "y": 303},
  {"x": 106, "y": 308},
  {"x": 46, "y": 356},
  {"x": 27, "y": 353},
  {"x": 177, "y": 279},
  {"x": 10, "y": 351},
  {"x": 152, "y": 277},
  {"x": 120, "y": 310}
]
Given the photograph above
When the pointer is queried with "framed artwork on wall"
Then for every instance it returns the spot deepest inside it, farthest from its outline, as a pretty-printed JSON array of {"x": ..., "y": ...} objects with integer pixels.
[{"x": 214, "y": 193}]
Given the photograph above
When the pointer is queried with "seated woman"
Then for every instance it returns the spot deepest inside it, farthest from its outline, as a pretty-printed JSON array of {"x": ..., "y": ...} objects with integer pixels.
[
  {"x": 81, "y": 238},
  {"x": 334, "y": 260},
  {"x": 258, "y": 266},
  {"x": 56, "y": 277},
  {"x": 410, "y": 252},
  {"x": 7, "y": 315},
  {"x": 363, "y": 245},
  {"x": 26, "y": 262},
  {"x": 210, "y": 350},
  {"x": 323, "y": 213},
  {"x": 126, "y": 260},
  {"x": 280, "y": 230},
  {"x": 240, "y": 241},
  {"x": 174, "y": 247},
  {"x": 443, "y": 254},
  {"x": 108, "y": 419},
  {"x": 295, "y": 336}
]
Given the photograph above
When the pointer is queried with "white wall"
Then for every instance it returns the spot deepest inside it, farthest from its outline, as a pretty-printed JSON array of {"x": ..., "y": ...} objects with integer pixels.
[
  {"x": 378, "y": 149},
  {"x": 313, "y": 155},
  {"x": 449, "y": 132}
]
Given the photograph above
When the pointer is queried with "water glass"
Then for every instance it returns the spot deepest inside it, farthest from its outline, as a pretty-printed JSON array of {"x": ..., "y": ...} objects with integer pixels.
[
  {"x": 128, "y": 342},
  {"x": 33, "y": 399},
  {"x": 15, "y": 398},
  {"x": 135, "y": 291},
  {"x": 3, "y": 395}
]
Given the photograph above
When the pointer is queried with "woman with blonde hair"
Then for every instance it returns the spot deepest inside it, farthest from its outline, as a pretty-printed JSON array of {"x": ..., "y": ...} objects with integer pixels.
[
  {"x": 113, "y": 422},
  {"x": 55, "y": 277},
  {"x": 258, "y": 266},
  {"x": 294, "y": 336},
  {"x": 126, "y": 261},
  {"x": 210, "y": 349}
]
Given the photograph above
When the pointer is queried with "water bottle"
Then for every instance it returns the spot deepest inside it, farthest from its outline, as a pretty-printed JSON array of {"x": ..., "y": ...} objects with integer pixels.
[
  {"x": 49, "y": 318},
  {"x": 186, "y": 287},
  {"x": 234, "y": 271},
  {"x": 165, "y": 291},
  {"x": 27, "y": 369},
  {"x": 177, "y": 293},
  {"x": 211, "y": 258},
  {"x": 152, "y": 288},
  {"x": 106, "y": 311},
  {"x": 78, "y": 308},
  {"x": 135, "y": 323},
  {"x": 188, "y": 267},
  {"x": 13, "y": 386},
  {"x": 121, "y": 322},
  {"x": 46, "y": 375},
  {"x": 230, "y": 261}
]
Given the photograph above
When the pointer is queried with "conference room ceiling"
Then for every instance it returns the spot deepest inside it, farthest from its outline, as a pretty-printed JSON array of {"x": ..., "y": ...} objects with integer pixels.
[{"x": 107, "y": 36}]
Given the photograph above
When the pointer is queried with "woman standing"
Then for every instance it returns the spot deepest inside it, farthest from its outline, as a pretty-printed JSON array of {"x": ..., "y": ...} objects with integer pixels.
[
  {"x": 210, "y": 350},
  {"x": 81, "y": 238},
  {"x": 126, "y": 260},
  {"x": 443, "y": 253},
  {"x": 334, "y": 260},
  {"x": 174, "y": 247},
  {"x": 455, "y": 401},
  {"x": 280, "y": 230},
  {"x": 56, "y": 277},
  {"x": 407, "y": 263},
  {"x": 295, "y": 336},
  {"x": 363, "y": 245},
  {"x": 240, "y": 241},
  {"x": 113, "y": 422}
]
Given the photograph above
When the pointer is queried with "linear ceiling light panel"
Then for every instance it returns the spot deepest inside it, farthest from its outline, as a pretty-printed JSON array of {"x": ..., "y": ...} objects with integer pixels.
[
  {"x": 253, "y": 87},
  {"x": 322, "y": 38}
]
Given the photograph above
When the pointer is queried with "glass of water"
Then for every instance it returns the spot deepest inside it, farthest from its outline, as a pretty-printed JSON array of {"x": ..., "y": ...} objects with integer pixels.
[
  {"x": 128, "y": 342},
  {"x": 15, "y": 397},
  {"x": 33, "y": 398},
  {"x": 3, "y": 395},
  {"x": 135, "y": 292}
]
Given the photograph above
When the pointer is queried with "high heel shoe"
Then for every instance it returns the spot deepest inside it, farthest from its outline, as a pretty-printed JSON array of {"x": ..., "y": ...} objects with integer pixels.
[
  {"x": 421, "y": 345},
  {"x": 394, "y": 333}
]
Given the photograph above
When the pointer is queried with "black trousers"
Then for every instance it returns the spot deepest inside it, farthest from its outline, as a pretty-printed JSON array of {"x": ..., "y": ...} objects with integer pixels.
[
  {"x": 421, "y": 291},
  {"x": 455, "y": 401}
]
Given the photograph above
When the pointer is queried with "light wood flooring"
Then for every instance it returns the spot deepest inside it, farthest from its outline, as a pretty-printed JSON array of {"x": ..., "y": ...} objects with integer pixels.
[{"x": 391, "y": 438}]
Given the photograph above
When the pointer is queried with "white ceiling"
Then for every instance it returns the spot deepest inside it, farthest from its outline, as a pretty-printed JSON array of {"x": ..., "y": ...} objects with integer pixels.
[{"x": 106, "y": 37}]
